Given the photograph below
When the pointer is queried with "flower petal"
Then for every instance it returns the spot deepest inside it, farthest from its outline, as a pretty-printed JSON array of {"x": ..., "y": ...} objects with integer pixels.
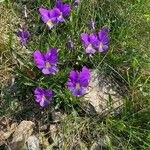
[
  {"x": 103, "y": 33},
  {"x": 78, "y": 92},
  {"x": 38, "y": 98},
  {"x": 91, "y": 24},
  {"x": 84, "y": 77},
  {"x": 66, "y": 9},
  {"x": 38, "y": 91},
  {"x": 93, "y": 39},
  {"x": 40, "y": 63},
  {"x": 54, "y": 13},
  {"x": 61, "y": 19},
  {"x": 76, "y": 3},
  {"x": 44, "y": 103},
  {"x": 70, "y": 44},
  {"x": 44, "y": 14},
  {"x": 19, "y": 33},
  {"x": 38, "y": 55},
  {"x": 90, "y": 50},
  {"x": 103, "y": 49},
  {"x": 39, "y": 59},
  {"x": 48, "y": 93},
  {"x": 84, "y": 37},
  {"x": 53, "y": 69},
  {"x": 105, "y": 40},
  {"x": 59, "y": 4},
  {"x": 46, "y": 71},
  {"x": 23, "y": 41},
  {"x": 73, "y": 76},
  {"x": 25, "y": 35},
  {"x": 71, "y": 85},
  {"x": 51, "y": 55}
]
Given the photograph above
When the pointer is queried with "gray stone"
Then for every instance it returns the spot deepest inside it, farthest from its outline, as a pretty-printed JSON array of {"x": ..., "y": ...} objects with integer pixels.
[
  {"x": 57, "y": 116},
  {"x": 83, "y": 146},
  {"x": 99, "y": 145},
  {"x": 33, "y": 143},
  {"x": 6, "y": 129},
  {"x": 53, "y": 131},
  {"x": 102, "y": 94},
  {"x": 21, "y": 134}
]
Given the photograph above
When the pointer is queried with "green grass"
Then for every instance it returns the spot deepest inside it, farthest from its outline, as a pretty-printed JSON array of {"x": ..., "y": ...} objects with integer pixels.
[{"x": 127, "y": 62}]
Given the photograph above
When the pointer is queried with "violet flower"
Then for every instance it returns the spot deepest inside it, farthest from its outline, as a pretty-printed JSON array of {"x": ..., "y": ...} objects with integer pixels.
[
  {"x": 63, "y": 10},
  {"x": 90, "y": 42},
  {"x": 76, "y": 3},
  {"x": 49, "y": 16},
  {"x": 23, "y": 35},
  {"x": 43, "y": 96},
  {"x": 46, "y": 62},
  {"x": 78, "y": 81},
  {"x": 70, "y": 43},
  {"x": 91, "y": 24},
  {"x": 104, "y": 39}
]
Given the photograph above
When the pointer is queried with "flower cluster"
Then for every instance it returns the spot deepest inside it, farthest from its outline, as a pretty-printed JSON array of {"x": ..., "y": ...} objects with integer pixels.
[
  {"x": 78, "y": 80},
  {"x": 94, "y": 42},
  {"x": 55, "y": 15}
]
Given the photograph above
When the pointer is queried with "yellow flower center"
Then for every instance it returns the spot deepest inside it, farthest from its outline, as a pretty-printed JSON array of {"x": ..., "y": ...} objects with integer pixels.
[
  {"x": 61, "y": 14},
  {"x": 43, "y": 98},
  {"x": 48, "y": 65},
  {"x": 78, "y": 86},
  {"x": 49, "y": 23},
  {"x": 101, "y": 45},
  {"x": 89, "y": 46}
]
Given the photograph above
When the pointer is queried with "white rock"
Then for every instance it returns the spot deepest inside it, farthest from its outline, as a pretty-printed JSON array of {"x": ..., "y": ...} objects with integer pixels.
[
  {"x": 101, "y": 95},
  {"x": 33, "y": 143},
  {"x": 21, "y": 134},
  {"x": 57, "y": 116}
]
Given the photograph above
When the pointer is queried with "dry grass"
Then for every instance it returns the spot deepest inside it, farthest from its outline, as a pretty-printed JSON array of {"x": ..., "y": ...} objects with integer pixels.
[{"x": 8, "y": 22}]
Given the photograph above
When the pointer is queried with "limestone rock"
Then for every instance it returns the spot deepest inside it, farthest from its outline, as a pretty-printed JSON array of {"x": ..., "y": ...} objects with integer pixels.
[
  {"x": 6, "y": 129},
  {"x": 20, "y": 136},
  {"x": 99, "y": 145},
  {"x": 53, "y": 131},
  {"x": 57, "y": 116},
  {"x": 83, "y": 146},
  {"x": 33, "y": 143},
  {"x": 102, "y": 95},
  {"x": 44, "y": 142}
]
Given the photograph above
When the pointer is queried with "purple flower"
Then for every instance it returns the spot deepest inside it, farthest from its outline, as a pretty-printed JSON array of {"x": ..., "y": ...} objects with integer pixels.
[
  {"x": 91, "y": 24},
  {"x": 49, "y": 16},
  {"x": 43, "y": 96},
  {"x": 104, "y": 39},
  {"x": 90, "y": 42},
  {"x": 78, "y": 81},
  {"x": 46, "y": 62},
  {"x": 69, "y": 43},
  {"x": 62, "y": 10},
  {"x": 76, "y": 3},
  {"x": 23, "y": 35}
]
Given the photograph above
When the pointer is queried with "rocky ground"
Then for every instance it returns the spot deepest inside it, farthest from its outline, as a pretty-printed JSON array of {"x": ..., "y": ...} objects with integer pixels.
[{"x": 101, "y": 99}]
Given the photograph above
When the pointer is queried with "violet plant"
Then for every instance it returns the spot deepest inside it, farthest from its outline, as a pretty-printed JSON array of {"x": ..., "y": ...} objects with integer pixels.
[
  {"x": 23, "y": 35},
  {"x": 48, "y": 63}
]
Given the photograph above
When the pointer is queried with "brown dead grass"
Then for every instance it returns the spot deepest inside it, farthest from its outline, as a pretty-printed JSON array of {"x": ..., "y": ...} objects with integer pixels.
[{"x": 8, "y": 22}]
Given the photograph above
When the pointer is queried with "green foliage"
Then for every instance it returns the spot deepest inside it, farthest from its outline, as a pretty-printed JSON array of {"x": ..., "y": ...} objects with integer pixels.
[{"x": 127, "y": 61}]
